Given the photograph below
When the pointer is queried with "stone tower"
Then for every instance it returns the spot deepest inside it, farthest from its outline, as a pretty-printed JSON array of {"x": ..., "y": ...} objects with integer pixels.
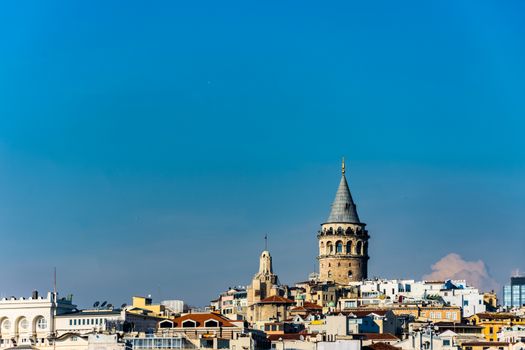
[
  {"x": 265, "y": 282},
  {"x": 343, "y": 240}
]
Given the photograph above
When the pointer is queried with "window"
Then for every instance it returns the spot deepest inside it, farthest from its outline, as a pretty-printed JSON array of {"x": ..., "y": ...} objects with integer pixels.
[
  {"x": 446, "y": 342},
  {"x": 41, "y": 323},
  {"x": 358, "y": 248},
  {"x": 211, "y": 323},
  {"x": 70, "y": 322},
  {"x": 189, "y": 324},
  {"x": 339, "y": 247},
  {"x": 75, "y": 322},
  {"x": 23, "y": 323},
  {"x": 166, "y": 324},
  {"x": 6, "y": 324}
]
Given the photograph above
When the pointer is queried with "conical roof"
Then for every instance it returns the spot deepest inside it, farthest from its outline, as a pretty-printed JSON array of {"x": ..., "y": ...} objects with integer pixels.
[{"x": 343, "y": 207}]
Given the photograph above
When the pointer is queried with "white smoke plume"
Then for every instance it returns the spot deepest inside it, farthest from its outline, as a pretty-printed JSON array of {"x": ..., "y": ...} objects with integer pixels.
[{"x": 452, "y": 266}]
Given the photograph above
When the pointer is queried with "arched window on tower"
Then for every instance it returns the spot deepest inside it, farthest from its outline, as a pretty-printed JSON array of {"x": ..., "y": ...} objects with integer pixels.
[
  {"x": 365, "y": 248},
  {"x": 349, "y": 247},
  {"x": 329, "y": 248},
  {"x": 358, "y": 248},
  {"x": 339, "y": 247}
]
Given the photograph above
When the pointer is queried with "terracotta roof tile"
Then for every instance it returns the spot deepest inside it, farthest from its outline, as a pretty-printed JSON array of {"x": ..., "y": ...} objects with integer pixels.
[
  {"x": 380, "y": 346},
  {"x": 309, "y": 305},
  {"x": 377, "y": 336},
  {"x": 200, "y": 318},
  {"x": 275, "y": 299}
]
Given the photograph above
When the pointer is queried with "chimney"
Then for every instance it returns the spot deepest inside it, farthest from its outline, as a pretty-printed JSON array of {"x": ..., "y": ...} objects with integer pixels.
[{"x": 34, "y": 295}]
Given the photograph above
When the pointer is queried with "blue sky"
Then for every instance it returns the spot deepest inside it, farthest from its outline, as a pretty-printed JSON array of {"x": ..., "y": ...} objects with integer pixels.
[{"x": 147, "y": 148}]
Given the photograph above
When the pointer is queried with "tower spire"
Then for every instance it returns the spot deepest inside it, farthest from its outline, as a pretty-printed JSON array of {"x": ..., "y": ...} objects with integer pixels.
[{"x": 343, "y": 207}]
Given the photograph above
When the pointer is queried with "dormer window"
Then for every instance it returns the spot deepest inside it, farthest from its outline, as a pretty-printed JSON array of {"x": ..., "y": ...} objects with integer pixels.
[
  {"x": 166, "y": 324},
  {"x": 189, "y": 324},
  {"x": 211, "y": 323}
]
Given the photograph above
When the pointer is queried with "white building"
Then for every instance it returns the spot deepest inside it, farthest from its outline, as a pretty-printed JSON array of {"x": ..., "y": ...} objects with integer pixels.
[
  {"x": 54, "y": 323},
  {"x": 104, "y": 320},
  {"x": 175, "y": 306},
  {"x": 383, "y": 292},
  {"x": 512, "y": 334},
  {"x": 30, "y": 321}
]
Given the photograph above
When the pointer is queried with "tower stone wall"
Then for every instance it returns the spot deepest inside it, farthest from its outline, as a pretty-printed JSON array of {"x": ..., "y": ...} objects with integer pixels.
[{"x": 343, "y": 241}]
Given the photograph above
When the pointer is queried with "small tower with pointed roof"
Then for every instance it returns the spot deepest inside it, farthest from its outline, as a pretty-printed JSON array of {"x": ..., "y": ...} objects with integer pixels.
[{"x": 343, "y": 240}]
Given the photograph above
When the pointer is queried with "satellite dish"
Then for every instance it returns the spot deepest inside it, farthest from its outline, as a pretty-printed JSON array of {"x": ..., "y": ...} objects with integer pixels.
[
  {"x": 123, "y": 305},
  {"x": 103, "y": 304},
  {"x": 110, "y": 306},
  {"x": 96, "y": 304}
]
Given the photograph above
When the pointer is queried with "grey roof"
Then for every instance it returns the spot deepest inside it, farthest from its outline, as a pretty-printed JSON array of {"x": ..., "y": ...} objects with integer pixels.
[{"x": 343, "y": 207}]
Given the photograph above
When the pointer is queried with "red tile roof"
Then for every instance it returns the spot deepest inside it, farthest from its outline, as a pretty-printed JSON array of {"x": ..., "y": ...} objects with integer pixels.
[
  {"x": 377, "y": 336},
  {"x": 312, "y": 306},
  {"x": 380, "y": 346},
  {"x": 299, "y": 308},
  {"x": 275, "y": 299},
  {"x": 200, "y": 318}
]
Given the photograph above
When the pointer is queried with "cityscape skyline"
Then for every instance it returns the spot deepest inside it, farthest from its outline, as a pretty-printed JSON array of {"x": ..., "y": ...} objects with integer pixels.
[
  {"x": 450, "y": 266},
  {"x": 159, "y": 144}
]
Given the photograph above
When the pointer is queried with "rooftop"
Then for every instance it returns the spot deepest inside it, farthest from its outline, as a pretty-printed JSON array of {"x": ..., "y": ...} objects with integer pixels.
[{"x": 343, "y": 207}]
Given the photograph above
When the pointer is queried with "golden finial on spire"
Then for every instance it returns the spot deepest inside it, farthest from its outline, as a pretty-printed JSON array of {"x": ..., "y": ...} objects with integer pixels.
[{"x": 343, "y": 166}]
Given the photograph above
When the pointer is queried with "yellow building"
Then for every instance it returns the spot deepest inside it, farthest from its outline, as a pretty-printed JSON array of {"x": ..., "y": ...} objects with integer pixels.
[
  {"x": 431, "y": 313},
  {"x": 144, "y": 306},
  {"x": 493, "y": 322}
]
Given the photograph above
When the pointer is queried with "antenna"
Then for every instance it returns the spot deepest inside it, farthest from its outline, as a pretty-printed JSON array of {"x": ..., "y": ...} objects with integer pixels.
[
  {"x": 55, "y": 281},
  {"x": 266, "y": 242}
]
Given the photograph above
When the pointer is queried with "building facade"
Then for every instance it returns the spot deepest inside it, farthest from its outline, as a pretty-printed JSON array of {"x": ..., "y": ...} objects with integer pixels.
[
  {"x": 514, "y": 294},
  {"x": 30, "y": 321},
  {"x": 343, "y": 240}
]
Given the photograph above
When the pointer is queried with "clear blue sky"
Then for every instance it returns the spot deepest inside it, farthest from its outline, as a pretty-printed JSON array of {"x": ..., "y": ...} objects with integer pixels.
[{"x": 148, "y": 147}]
